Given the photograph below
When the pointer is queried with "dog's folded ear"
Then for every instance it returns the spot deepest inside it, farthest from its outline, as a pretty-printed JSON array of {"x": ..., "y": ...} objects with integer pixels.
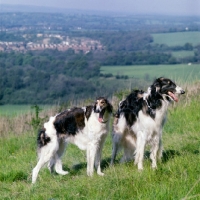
[
  {"x": 88, "y": 111},
  {"x": 157, "y": 84},
  {"x": 109, "y": 107}
]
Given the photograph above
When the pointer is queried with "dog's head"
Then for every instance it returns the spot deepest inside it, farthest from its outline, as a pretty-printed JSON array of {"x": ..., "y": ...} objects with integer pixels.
[
  {"x": 102, "y": 106},
  {"x": 168, "y": 88}
]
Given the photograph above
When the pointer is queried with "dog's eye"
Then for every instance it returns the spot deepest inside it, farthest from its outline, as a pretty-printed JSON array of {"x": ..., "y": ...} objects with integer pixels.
[{"x": 102, "y": 102}]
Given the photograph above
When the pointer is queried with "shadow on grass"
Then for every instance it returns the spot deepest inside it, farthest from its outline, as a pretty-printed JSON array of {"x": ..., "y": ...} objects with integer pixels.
[
  {"x": 169, "y": 154},
  {"x": 76, "y": 169},
  {"x": 105, "y": 163},
  {"x": 196, "y": 152},
  {"x": 166, "y": 156},
  {"x": 13, "y": 176}
]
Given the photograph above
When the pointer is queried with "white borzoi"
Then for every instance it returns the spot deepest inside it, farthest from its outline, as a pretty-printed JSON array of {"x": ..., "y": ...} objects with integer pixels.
[
  {"x": 85, "y": 127},
  {"x": 140, "y": 119}
]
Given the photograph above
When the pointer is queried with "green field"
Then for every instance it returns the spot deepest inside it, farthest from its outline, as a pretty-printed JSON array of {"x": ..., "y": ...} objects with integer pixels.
[
  {"x": 181, "y": 72},
  {"x": 13, "y": 110},
  {"x": 177, "y": 39},
  {"x": 182, "y": 54}
]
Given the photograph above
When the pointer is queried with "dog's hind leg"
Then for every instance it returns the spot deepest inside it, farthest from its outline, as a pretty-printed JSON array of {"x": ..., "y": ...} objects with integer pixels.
[
  {"x": 51, "y": 164},
  {"x": 129, "y": 144},
  {"x": 160, "y": 149},
  {"x": 115, "y": 149},
  {"x": 39, "y": 165},
  {"x": 47, "y": 152},
  {"x": 58, "y": 162},
  {"x": 98, "y": 156},
  {"x": 116, "y": 145},
  {"x": 128, "y": 154}
]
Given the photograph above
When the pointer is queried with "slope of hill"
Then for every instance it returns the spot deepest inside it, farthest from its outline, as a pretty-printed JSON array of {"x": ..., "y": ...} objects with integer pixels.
[{"x": 177, "y": 176}]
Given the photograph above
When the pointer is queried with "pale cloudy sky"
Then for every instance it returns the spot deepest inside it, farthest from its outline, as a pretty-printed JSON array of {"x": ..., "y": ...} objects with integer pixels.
[{"x": 180, "y": 7}]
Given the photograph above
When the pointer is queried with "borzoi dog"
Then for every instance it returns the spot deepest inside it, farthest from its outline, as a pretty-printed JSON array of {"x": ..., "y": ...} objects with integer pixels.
[
  {"x": 85, "y": 127},
  {"x": 140, "y": 119}
]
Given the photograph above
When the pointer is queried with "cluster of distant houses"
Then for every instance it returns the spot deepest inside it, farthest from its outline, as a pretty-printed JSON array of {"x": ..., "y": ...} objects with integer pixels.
[{"x": 85, "y": 45}]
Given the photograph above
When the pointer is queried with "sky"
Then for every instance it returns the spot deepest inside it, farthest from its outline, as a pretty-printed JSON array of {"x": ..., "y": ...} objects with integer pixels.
[{"x": 167, "y": 7}]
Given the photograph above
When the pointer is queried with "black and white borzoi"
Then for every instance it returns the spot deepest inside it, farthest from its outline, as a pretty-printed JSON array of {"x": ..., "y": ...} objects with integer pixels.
[
  {"x": 85, "y": 127},
  {"x": 140, "y": 119}
]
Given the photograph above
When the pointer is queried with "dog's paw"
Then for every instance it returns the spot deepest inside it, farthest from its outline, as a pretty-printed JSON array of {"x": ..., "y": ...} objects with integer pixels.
[
  {"x": 154, "y": 167},
  {"x": 90, "y": 173},
  {"x": 62, "y": 172},
  {"x": 100, "y": 173},
  {"x": 140, "y": 166}
]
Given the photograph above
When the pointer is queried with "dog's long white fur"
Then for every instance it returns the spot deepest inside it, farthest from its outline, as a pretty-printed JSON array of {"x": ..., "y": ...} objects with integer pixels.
[
  {"x": 145, "y": 130},
  {"x": 91, "y": 138}
]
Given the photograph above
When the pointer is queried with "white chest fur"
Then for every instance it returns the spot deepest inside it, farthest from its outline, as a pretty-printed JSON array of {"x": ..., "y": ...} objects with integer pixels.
[{"x": 91, "y": 133}]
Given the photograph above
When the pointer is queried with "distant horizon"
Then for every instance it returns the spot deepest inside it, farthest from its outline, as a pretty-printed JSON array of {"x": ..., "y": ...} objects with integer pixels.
[{"x": 134, "y": 7}]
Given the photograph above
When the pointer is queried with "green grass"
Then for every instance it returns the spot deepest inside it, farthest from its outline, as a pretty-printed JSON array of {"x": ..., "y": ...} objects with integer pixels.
[
  {"x": 177, "y": 176},
  {"x": 177, "y": 38},
  {"x": 182, "y": 54},
  {"x": 13, "y": 110},
  {"x": 183, "y": 72}
]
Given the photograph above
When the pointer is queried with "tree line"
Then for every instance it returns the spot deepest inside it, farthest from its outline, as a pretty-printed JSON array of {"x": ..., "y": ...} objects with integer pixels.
[{"x": 42, "y": 77}]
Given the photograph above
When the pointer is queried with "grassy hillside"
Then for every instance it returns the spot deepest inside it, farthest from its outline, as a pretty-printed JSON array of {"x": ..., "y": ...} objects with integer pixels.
[
  {"x": 181, "y": 72},
  {"x": 177, "y": 38},
  {"x": 177, "y": 176}
]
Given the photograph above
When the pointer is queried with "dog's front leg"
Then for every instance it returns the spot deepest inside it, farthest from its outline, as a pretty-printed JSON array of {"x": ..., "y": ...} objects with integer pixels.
[
  {"x": 160, "y": 149},
  {"x": 98, "y": 156},
  {"x": 91, "y": 152},
  {"x": 156, "y": 151},
  {"x": 153, "y": 155},
  {"x": 140, "y": 146}
]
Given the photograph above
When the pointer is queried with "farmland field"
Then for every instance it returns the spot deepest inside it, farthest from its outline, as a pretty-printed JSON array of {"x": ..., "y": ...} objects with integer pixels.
[
  {"x": 178, "y": 38},
  {"x": 13, "y": 110},
  {"x": 181, "y": 72},
  {"x": 182, "y": 54}
]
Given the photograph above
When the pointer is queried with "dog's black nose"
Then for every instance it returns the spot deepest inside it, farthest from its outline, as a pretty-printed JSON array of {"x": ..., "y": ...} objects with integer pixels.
[{"x": 182, "y": 92}]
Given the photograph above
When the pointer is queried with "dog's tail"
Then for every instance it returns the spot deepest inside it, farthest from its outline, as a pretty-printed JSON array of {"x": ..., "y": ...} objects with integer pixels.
[{"x": 42, "y": 138}]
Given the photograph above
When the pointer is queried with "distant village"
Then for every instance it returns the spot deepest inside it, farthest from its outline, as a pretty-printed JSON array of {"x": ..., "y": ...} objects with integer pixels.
[{"x": 45, "y": 42}]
